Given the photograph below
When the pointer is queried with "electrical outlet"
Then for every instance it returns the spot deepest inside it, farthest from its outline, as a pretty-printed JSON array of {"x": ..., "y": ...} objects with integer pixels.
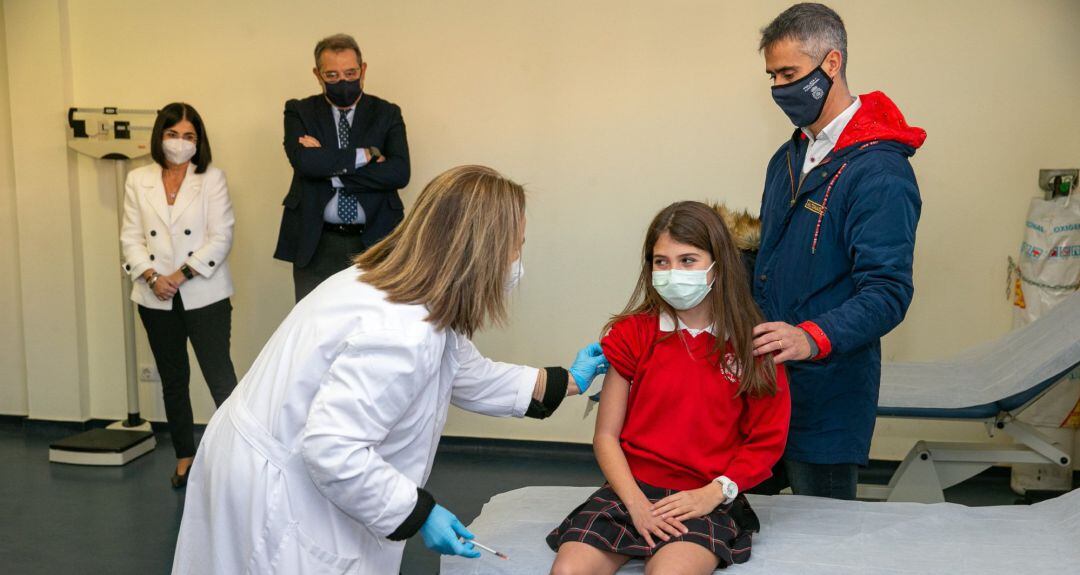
[{"x": 148, "y": 373}]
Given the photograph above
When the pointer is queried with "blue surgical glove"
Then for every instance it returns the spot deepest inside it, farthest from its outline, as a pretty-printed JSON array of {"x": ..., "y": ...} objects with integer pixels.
[
  {"x": 441, "y": 533},
  {"x": 589, "y": 363}
]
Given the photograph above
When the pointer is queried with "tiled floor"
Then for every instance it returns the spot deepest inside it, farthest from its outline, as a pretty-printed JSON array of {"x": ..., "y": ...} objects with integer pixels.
[{"x": 70, "y": 519}]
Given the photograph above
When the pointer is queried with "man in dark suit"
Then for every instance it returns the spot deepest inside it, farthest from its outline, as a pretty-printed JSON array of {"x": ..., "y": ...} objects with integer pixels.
[{"x": 350, "y": 157}]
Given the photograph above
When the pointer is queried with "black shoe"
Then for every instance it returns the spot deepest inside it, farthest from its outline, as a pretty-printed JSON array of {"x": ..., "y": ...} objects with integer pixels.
[{"x": 179, "y": 481}]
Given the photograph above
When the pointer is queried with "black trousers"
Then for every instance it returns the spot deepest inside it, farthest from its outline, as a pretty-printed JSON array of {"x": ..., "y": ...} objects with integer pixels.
[
  {"x": 334, "y": 253},
  {"x": 209, "y": 329},
  {"x": 832, "y": 480}
]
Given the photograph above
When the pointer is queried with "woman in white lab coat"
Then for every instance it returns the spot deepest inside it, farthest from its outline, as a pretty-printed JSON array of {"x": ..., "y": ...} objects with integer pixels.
[{"x": 316, "y": 463}]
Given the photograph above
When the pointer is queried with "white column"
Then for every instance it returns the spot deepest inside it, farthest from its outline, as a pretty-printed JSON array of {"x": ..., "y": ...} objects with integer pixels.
[
  {"x": 39, "y": 79},
  {"x": 12, "y": 358}
]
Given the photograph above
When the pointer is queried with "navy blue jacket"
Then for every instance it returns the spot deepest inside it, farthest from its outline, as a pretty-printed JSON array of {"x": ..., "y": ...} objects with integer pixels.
[
  {"x": 836, "y": 261},
  {"x": 376, "y": 123}
]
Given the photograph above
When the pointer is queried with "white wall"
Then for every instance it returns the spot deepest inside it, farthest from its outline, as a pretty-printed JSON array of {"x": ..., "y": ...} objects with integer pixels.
[
  {"x": 46, "y": 205},
  {"x": 12, "y": 358},
  {"x": 606, "y": 110}
]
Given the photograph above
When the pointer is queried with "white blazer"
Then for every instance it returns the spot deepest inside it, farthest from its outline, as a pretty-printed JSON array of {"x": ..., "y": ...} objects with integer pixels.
[
  {"x": 196, "y": 230},
  {"x": 316, "y": 456}
]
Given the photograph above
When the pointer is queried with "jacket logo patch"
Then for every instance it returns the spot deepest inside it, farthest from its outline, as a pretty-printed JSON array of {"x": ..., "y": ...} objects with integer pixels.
[{"x": 814, "y": 207}]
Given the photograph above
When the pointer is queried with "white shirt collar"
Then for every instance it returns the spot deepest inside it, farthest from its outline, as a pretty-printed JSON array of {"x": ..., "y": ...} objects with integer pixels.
[
  {"x": 667, "y": 324},
  {"x": 818, "y": 148},
  {"x": 831, "y": 132}
]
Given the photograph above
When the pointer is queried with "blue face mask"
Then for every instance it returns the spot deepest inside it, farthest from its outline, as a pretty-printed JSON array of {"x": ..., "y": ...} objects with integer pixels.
[{"x": 804, "y": 99}]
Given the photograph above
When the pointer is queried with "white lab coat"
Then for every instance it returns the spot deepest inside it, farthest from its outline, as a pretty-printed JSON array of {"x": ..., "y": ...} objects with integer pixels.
[
  {"x": 316, "y": 456},
  {"x": 196, "y": 230}
]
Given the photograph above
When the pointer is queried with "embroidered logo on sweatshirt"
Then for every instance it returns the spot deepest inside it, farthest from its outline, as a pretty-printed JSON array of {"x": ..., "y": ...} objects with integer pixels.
[{"x": 731, "y": 369}]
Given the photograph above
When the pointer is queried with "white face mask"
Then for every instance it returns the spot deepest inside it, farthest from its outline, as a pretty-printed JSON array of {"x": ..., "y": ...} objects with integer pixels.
[
  {"x": 517, "y": 271},
  {"x": 178, "y": 151},
  {"x": 683, "y": 289}
]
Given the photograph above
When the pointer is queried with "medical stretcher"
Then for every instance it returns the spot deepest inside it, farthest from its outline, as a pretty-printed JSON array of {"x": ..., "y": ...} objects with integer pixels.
[{"x": 993, "y": 383}]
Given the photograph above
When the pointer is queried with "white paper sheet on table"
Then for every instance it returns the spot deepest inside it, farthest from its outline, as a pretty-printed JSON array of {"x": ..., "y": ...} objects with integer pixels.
[
  {"x": 992, "y": 371},
  {"x": 814, "y": 536}
]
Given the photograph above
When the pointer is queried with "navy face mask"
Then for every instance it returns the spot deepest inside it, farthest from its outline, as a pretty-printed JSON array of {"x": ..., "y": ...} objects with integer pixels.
[
  {"x": 343, "y": 93},
  {"x": 804, "y": 99}
]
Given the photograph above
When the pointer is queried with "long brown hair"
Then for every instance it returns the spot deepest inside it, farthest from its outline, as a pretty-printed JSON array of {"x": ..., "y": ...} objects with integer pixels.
[
  {"x": 452, "y": 253},
  {"x": 732, "y": 308}
]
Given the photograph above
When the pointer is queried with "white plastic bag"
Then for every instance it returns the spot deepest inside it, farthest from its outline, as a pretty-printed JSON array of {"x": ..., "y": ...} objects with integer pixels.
[{"x": 1049, "y": 272}]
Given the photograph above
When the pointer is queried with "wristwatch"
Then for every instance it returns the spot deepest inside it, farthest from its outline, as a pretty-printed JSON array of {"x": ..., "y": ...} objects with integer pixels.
[
  {"x": 728, "y": 488},
  {"x": 184, "y": 269}
]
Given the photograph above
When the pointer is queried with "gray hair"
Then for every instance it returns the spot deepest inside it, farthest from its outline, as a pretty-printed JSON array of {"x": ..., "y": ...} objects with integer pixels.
[
  {"x": 816, "y": 26},
  {"x": 337, "y": 43}
]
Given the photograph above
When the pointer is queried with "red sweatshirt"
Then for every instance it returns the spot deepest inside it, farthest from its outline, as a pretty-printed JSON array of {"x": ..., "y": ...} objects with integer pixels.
[{"x": 685, "y": 425}]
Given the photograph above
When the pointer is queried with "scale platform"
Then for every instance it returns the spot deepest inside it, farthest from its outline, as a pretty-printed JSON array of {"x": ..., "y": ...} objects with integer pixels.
[{"x": 102, "y": 447}]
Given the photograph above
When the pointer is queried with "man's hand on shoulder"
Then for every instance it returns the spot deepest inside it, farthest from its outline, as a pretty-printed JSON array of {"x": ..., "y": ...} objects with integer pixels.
[{"x": 787, "y": 342}]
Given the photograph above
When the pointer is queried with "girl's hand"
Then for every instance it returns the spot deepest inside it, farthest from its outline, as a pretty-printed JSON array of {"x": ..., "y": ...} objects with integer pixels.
[
  {"x": 649, "y": 525},
  {"x": 689, "y": 504}
]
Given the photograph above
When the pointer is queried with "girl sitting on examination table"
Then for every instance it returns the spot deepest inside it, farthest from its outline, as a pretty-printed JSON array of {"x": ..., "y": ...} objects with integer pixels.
[{"x": 683, "y": 426}]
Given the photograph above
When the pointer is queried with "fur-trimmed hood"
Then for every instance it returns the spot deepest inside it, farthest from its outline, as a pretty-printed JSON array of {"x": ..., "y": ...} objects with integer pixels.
[{"x": 745, "y": 228}]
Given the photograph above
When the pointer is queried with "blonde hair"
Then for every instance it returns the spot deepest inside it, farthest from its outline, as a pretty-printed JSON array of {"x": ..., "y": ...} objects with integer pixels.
[{"x": 452, "y": 252}]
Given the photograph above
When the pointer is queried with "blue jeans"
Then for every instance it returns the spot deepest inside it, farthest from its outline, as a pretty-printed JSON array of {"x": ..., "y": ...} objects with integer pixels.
[{"x": 833, "y": 480}]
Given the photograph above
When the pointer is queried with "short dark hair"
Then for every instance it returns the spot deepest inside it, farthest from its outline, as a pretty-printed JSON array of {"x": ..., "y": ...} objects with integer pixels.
[
  {"x": 818, "y": 27},
  {"x": 170, "y": 116},
  {"x": 337, "y": 43}
]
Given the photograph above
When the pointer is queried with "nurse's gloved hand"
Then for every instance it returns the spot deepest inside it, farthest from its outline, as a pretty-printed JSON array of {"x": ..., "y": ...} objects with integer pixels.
[
  {"x": 442, "y": 532},
  {"x": 589, "y": 363}
]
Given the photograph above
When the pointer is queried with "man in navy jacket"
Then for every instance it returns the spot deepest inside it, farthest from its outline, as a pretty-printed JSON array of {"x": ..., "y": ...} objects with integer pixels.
[
  {"x": 350, "y": 157},
  {"x": 833, "y": 274}
]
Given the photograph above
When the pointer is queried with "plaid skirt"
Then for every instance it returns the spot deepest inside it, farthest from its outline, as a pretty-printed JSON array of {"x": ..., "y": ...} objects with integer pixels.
[{"x": 604, "y": 522}]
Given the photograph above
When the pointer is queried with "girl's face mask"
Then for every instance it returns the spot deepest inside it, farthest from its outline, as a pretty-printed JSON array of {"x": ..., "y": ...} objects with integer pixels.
[{"x": 683, "y": 289}]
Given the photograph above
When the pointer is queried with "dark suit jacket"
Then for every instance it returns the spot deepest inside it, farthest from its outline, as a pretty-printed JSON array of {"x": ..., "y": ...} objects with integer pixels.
[{"x": 377, "y": 123}]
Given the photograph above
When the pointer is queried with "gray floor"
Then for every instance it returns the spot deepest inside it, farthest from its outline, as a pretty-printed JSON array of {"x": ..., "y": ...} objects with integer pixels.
[{"x": 69, "y": 519}]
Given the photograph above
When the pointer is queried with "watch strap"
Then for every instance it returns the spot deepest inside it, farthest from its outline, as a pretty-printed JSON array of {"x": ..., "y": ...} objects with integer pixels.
[{"x": 728, "y": 487}]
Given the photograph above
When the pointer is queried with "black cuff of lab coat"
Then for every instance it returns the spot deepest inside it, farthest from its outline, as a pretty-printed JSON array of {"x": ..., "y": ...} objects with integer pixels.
[
  {"x": 424, "y": 504},
  {"x": 557, "y": 380}
]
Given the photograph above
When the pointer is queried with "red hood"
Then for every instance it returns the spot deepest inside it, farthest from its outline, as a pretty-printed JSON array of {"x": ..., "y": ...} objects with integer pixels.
[{"x": 879, "y": 119}]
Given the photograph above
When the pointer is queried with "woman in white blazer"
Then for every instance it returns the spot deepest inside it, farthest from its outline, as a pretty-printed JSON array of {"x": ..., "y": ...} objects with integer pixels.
[
  {"x": 177, "y": 233},
  {"x": 317, "y": 463}
]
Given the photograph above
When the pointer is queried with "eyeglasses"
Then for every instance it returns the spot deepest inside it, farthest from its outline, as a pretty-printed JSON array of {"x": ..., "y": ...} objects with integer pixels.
[
  {"x": 174, "y": 135},
  {"x": 349, "y": 75}
]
